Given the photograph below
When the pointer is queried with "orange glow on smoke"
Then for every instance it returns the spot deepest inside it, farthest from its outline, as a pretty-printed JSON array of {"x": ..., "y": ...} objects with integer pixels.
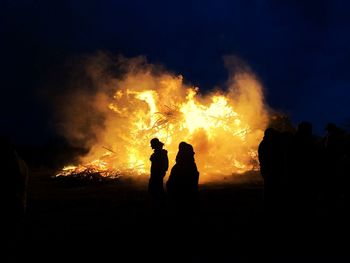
[{"x": 224, "y": 127}]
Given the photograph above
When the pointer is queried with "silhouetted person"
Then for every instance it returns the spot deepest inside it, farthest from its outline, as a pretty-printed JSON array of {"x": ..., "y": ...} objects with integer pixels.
[
  {"x": 302, "y": 168},
  {"x": 14, "y": 176},
  {"x": 159, "y": 166},
  {"x": 334, "y": 156},
  {"x": 182, "y": 185},
  {"x": 271, "y": 159}
]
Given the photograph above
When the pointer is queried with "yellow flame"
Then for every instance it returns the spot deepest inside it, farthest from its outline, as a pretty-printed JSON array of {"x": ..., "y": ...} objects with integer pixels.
[
  {"x": 225, "y": 128},
  {"x": 69, "y": 167}
]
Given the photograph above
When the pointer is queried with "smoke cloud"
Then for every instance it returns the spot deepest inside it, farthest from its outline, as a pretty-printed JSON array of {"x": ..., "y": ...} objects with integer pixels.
[{"x": 117, "y": 104}]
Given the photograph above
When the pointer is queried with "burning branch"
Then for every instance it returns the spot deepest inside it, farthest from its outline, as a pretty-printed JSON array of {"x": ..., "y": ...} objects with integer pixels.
[{"x": 109, "y": 149}]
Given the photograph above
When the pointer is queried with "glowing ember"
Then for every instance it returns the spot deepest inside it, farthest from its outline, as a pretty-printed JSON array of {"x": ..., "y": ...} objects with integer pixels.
[{"x": 225, "y": 128}]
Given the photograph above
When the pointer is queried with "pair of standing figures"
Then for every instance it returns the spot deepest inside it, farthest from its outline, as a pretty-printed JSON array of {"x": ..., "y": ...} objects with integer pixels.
[{"x": 182, "y": 185}]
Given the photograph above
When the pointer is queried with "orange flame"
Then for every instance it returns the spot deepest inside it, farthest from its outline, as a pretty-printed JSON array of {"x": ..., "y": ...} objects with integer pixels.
[{"x": 225, "y": 128}]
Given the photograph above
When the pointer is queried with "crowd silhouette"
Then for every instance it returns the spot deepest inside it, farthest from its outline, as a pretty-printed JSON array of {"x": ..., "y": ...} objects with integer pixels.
[
  {"x": 304, "y": 175},
  {"x": 305, "y": 189}
]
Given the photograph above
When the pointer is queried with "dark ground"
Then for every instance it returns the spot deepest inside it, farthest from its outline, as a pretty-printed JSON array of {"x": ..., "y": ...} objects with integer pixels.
[{"x": 113, "y": 222}]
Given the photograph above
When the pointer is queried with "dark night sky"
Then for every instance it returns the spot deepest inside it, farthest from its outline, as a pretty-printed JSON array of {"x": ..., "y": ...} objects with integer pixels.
[{"x": 299, "y": 49}]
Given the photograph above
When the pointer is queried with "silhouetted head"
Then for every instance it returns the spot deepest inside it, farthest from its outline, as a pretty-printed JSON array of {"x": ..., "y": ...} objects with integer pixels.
[
  {"x": 186, "y": 152},
  {"x": 186, "y": 147},
  {"x": 270, "y": 133},
  {"x": 182, "y": 146},
  {"x": 156, "y": 143}
]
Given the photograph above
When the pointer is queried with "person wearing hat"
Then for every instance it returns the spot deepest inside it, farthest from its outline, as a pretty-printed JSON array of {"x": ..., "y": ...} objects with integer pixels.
[{"x": 159, "y": 166}]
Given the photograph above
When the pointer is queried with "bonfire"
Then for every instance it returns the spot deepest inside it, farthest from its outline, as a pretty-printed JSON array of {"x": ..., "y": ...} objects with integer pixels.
[{"x": 224, "y": 127}]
